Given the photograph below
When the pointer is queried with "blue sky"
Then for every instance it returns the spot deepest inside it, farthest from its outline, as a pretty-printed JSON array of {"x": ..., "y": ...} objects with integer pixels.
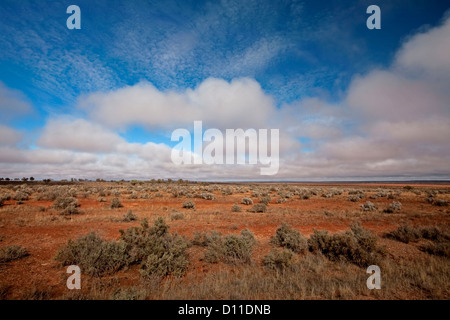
[{"x": 301, "y": 54}]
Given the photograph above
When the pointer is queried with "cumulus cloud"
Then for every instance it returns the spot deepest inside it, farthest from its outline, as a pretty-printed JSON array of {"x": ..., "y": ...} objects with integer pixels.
[
  {"x": 218, "y": 103},
  {"x": 79, "y": 135},
  {"x": 427, "y": 53}
]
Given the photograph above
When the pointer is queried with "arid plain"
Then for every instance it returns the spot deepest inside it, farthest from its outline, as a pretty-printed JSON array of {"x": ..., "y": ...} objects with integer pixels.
[{"x": 224, "y": 240}]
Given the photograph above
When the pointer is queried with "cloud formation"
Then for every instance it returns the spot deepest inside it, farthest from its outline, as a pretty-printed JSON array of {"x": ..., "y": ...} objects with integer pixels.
[
  {"x": 218, "y": 103},
  {"x": 390, "y": 122}
]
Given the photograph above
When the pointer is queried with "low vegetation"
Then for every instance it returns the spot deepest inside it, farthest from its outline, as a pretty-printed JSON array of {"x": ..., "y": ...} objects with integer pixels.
[
  {"x": 358, "y": 246},
  {"x": 11, "y": 253}
]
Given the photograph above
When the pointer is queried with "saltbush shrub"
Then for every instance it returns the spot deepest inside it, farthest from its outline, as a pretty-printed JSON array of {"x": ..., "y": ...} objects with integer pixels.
[
  {"x": 405, "y": 234},
  {"x": 368, "y": 206},
  {"x": 236, "y": 208},
  {"x": 94, "y": 255},
  {"x": 357, "y": 246},
  {"x": 394, "y": 207},
  {"x": 11, "y": 253},
  {"x": 115, "y": 203},
  {"x": 279, "y": 260},
  {"x": 259, "y": 207},
  {"x": 130, "y": 216},
  {"x": 289, "y": 238},
  {"x": 189, "y": 205},
  {"x": 231, "y": 249}
]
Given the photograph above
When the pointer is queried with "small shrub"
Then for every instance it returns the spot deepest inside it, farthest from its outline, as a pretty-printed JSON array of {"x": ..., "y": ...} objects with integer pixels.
[
  {"x": 404, "y": 234},
  {"x": 130, "y": 216},
  {"x": 247, "y": 201},
  {"x": 441, "y": 249},
  {"x": 395, "y": 206},
  {"x": 305, "y": 196},
  {"x": 101, "y": 199},
  {"x": 21, "y": 196},
  {"x": 279, "y": 260},
  {"x": 177, "y": 216},
  {"x": 69, "y": 205},
  {"x": 232, "y": 249},
  {"x": 435, "y": 234},
  {"x": 265, "y": 200},
  {"x": 208, "y": 196},
  {"x": 354, "y": 198},
  {"x": 115, "y": 203},
  {"x": 440, "y": 203},
  {"x": 203, "y": 239},
  {"x": 11, "y": 253},
  {"x": 259, "y": 207},
  {"x": 289, "y": 238},
  {"x": 161, "y": 265},
  {"x": 357, "y": 246},
  {"x": 160, "y": 252},
  {"x": 128, "y": 294},
  {"x": 189, "y": 205},
  {"x": 133, "y": 195},
  {"x": 236, "y": 208},
  {"x": 94, "y": 255},
  {"x": 368, "y": 206},
  {"x": 62, "y": 202}
]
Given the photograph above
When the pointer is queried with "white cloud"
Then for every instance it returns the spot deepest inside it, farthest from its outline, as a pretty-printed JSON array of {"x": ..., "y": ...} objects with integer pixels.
[
  {"x": 13, "y": 103},
  {"x": 427, "y": 53},
  {"x": 79, "y": 135},
  {"x": 9, "y": 136},
  {"x": 389, "y": 95},
  {"x": 218, "y": 103}
]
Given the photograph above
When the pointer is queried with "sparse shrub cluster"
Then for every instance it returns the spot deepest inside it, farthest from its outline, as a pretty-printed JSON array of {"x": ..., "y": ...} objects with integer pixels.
[
  {"x": 247, "y": 201},
  {"x": 356, "y": 195},
  {"x": 21, "y": 196},
  {"x": 159, "y": 252},
  {"x": 439, "y": 240},
  {"x": 357, "y": 246}
]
